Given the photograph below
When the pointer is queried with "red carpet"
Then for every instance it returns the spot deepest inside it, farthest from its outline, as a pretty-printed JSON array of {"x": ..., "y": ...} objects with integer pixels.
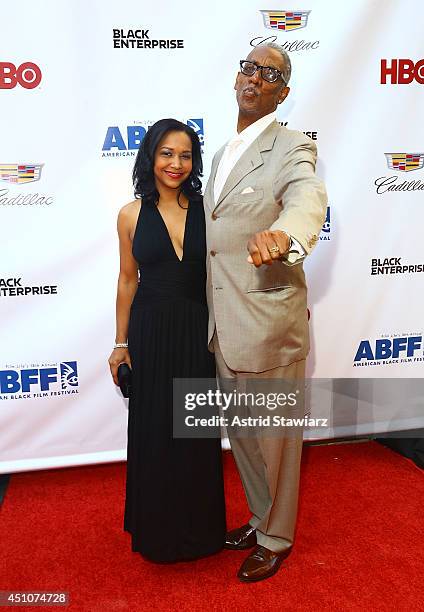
[{"x": 359, "y": 541}]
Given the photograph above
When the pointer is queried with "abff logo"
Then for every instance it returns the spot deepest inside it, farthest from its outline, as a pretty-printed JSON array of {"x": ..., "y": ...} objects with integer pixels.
[
  {"x": 23, "y": 379},
  {"x": 388, "y": 348},
  {"x": 135, "y": 134},
  {"x": 326, "y": 228},
  {"x": 401, "y": 71}
]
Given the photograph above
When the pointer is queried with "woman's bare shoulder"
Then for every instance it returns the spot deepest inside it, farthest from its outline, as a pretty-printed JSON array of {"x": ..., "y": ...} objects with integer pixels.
[
  {"x": 130, "y": 209},
  {"x": 128, "y": 214}
]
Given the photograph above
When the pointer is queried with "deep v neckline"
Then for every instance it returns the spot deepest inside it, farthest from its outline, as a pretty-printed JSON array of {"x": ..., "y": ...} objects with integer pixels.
[{"x": 169, "y": 236}]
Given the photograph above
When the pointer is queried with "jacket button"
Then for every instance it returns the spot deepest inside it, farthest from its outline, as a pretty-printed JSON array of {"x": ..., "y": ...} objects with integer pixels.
[
  {"x": 213, "y": 253},
  {"x": 214, "y": 217}
]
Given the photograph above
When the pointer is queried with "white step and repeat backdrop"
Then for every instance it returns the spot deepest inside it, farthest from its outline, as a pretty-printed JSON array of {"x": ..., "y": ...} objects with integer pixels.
[{"x": 80, "y": 83}]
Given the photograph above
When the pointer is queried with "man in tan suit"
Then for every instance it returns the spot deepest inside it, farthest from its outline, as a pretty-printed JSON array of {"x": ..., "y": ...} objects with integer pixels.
[{"x": 264, "y": 210}]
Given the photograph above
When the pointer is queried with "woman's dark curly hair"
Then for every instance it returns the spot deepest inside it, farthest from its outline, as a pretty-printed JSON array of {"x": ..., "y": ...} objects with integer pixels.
[{"x": 143, "y": 176}]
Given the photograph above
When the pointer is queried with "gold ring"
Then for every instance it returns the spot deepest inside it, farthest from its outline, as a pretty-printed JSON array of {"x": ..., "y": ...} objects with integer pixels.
[{"x": 274, "y": 249}]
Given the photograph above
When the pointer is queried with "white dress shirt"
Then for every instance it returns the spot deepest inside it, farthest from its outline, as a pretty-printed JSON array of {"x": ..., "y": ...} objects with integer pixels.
[{"x": 234, "y": 149}]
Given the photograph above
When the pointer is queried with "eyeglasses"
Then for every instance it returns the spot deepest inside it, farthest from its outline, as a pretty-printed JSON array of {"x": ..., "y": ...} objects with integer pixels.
[{"x": 267, "y": 73}]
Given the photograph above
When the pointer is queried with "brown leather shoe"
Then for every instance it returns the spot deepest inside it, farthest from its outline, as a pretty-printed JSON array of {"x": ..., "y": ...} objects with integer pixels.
[
  {"x": 260, "y": 564},
  {"x": 241, "y": 539}
]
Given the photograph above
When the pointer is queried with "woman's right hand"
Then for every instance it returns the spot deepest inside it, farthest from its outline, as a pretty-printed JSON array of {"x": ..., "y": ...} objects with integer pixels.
[{"x": 118, "y": 356}]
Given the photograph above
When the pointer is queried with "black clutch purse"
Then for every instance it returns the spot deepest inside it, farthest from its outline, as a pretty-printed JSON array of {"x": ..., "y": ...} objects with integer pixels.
[{"x": 125, "y": 379}]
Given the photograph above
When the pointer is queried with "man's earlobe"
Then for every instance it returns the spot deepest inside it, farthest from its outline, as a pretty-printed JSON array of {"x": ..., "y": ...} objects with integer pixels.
[{"x": 286, "y": 91}]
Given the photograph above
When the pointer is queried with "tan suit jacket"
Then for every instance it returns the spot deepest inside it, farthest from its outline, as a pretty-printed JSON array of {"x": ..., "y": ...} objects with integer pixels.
[{"x": 260, "y": 313}]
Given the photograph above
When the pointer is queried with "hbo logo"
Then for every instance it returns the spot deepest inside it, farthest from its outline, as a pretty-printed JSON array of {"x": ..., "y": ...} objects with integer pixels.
[
  {"x": 401, "y": 71},
  {"x": 27, "y": 75}
]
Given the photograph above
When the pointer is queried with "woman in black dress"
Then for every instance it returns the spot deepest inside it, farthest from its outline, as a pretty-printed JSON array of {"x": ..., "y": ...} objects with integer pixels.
[{"x": 174, "y": 507}]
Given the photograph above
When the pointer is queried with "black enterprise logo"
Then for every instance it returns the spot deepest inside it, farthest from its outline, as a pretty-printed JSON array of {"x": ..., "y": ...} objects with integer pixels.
[
  {"x": 140, "y": 39},
  {"x": 13, "y": 287},
  {"x": 313, "y": 135},
  {"x": 394, "y": 265}
]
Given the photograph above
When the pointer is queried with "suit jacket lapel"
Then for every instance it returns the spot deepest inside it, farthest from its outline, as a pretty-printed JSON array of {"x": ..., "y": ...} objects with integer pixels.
[
  {"x": 249, "y": 161},
  {"x": 209, "y": 193}
]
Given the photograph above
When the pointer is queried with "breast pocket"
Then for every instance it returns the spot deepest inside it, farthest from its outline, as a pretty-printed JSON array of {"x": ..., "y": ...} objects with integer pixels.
[{"x": 247, "y": 198}]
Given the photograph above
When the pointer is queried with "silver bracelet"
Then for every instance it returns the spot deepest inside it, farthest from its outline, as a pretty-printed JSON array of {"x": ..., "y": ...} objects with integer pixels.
[{"x": 120, "y": 345}]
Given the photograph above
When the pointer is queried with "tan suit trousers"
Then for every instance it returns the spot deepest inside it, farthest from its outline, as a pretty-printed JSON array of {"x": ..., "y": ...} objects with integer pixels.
[{"x": 269, "y": 467}]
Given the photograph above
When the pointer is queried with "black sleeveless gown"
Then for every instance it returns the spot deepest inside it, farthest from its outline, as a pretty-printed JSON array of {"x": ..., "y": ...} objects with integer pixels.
[{"x": 174, "y": 507}]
